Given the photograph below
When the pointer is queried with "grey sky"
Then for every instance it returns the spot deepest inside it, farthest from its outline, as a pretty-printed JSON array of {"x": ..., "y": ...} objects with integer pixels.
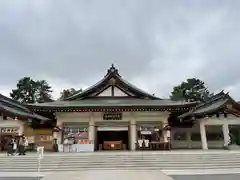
[{"x": 155, "y": 44}]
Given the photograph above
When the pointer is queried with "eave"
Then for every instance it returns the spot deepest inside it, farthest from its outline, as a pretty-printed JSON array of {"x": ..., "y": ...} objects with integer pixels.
[
  {"x": 13, "y": 109},
  {"x": 111, "y": 107}
]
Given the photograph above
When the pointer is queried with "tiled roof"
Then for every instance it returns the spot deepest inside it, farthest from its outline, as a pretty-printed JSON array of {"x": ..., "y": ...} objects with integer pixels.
[
  {"x": 212, "y": 105},
  {"x": 113, "y": 103},
  {"x": 17, "y": 109}
]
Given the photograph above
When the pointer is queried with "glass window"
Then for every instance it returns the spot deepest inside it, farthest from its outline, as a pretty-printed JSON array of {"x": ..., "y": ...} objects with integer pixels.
[{"x": 75, "y": 132}]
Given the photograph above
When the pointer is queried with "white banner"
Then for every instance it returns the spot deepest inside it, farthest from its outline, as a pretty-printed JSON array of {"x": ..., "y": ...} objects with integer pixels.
[{"x": 40, "y": 152}]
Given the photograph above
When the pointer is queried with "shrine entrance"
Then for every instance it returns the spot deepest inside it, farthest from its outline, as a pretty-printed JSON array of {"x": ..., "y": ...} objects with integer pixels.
[{"x": 112, "y": 138}]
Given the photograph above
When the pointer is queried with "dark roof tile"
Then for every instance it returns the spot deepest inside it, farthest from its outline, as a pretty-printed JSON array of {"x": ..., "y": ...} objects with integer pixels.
[
  {"x": 17, "y": 109},
  {"x": 112, "y": 103}
]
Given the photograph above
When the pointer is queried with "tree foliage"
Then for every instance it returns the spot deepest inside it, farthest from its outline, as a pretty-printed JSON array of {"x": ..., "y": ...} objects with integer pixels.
[
  {"x": 68, "y": 92},
  {"x": 30, "y": 91},
  {"x": 43, "y": 93},
  {"x": 191, "y": 90}
]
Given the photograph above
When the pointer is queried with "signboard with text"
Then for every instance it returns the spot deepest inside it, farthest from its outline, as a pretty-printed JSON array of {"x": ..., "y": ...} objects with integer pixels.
[{"x": 112, "y": 116}]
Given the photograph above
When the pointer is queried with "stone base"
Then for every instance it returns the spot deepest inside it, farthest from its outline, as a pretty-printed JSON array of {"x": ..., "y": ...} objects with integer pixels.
[{"x": 233, "y": 147}]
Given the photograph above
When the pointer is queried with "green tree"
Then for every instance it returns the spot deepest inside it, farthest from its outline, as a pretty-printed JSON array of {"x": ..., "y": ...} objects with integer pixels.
[
  {"x": 30, "y": 91},
  {"x": 25, "y": 91},
  {"x": 191, "y": 90},
  {"x": 43, "y": 93},
  {"x": 67, "y": 93}
]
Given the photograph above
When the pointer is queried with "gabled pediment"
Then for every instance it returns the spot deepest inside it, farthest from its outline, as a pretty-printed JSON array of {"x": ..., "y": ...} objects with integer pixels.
[
  {"x": 106, "y": 92},
  {"x": 112, "y": 85},
  {"x": 119, "y": 92},
  {"x": 112, "y": 91}
]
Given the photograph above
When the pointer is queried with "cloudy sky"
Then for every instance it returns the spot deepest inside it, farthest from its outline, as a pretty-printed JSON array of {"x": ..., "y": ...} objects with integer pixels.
[{"x": 155, "y": 44}]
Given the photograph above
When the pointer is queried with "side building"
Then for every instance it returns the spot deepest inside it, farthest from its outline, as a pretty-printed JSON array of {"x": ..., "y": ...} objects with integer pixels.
[{"x": 17, "y": 120}]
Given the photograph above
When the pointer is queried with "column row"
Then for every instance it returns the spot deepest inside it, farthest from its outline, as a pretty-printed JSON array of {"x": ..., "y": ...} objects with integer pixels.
[{"x": 225, "y": 130}]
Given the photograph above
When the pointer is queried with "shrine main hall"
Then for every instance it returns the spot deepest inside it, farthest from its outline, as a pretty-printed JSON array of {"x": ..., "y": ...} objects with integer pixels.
[{"x": 113, "y": 114}]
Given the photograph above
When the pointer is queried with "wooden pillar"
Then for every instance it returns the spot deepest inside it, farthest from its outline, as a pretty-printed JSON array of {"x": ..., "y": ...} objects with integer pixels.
[
  {"x": 91, "y": 130},
  {"x": 189, "y": 140},
  {"x": 226, "y": 136},
  {"x": 203, "y": 136},
  {"x": 133, "y": 134}
]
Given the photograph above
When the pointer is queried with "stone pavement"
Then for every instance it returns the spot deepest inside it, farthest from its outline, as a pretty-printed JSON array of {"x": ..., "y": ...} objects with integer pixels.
[
  {"x": 19, "y": 178},
  {"x": 208, "y": 177},
  {"x": 109, "y": 174},
  {"x": 201, "y": 171}
]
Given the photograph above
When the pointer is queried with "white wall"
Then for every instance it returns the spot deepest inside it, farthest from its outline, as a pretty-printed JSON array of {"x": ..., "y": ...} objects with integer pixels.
[
  {"x": 118, "y": 92},
  {"x": 106, "y": 92},
  {"x": 97, "y": 117}
]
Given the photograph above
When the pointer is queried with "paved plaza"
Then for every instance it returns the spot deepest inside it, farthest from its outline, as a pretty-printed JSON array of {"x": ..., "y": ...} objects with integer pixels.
[
  {"x": 207, "y": 177},
  {"x": 126, "y": 175},
  {"x": 110, "y": 174},
  {"x": 19, "y": 178}
]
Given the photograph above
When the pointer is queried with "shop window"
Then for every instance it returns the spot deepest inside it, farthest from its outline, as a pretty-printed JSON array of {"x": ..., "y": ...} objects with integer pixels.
[
  {"x": 75, "y": 132},
  {"x": 75, "y": 129}
]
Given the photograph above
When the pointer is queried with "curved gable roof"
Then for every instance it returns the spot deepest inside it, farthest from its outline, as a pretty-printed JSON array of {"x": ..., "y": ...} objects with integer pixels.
[{"x": 112, "y": 73}]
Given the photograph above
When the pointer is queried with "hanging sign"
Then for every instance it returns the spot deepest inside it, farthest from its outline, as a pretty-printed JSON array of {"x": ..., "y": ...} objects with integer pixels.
[
  {"x": 9, "y": 130},
  {"x": 112, "y": 116}
]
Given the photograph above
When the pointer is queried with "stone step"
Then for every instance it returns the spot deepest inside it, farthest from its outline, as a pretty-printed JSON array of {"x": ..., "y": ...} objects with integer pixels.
[
  {"x": 118, "y": 162},
  {"x": 77, "y": 162},
  {"x": 121, "y": 165},
  {"x": 113, "y": 154},
  {"x": 112, "y": 157},
  {"x": 113, "y": 168}
]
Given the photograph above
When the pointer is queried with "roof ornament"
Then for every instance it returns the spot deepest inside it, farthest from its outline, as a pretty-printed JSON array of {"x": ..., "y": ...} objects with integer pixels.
[{"x": 112, "y": 69}]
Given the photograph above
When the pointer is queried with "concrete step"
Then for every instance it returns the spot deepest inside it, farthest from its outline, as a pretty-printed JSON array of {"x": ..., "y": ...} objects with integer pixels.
[
  {"x": 76, "y": 162},
  {"x": 114, "y": 168},
  {"x": 113, "y": 162},
  {"x": 118, "y": 162}
]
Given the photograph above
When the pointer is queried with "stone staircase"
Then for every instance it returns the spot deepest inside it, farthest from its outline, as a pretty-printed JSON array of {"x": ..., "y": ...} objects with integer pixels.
[{"x": 121, "y": 160}]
